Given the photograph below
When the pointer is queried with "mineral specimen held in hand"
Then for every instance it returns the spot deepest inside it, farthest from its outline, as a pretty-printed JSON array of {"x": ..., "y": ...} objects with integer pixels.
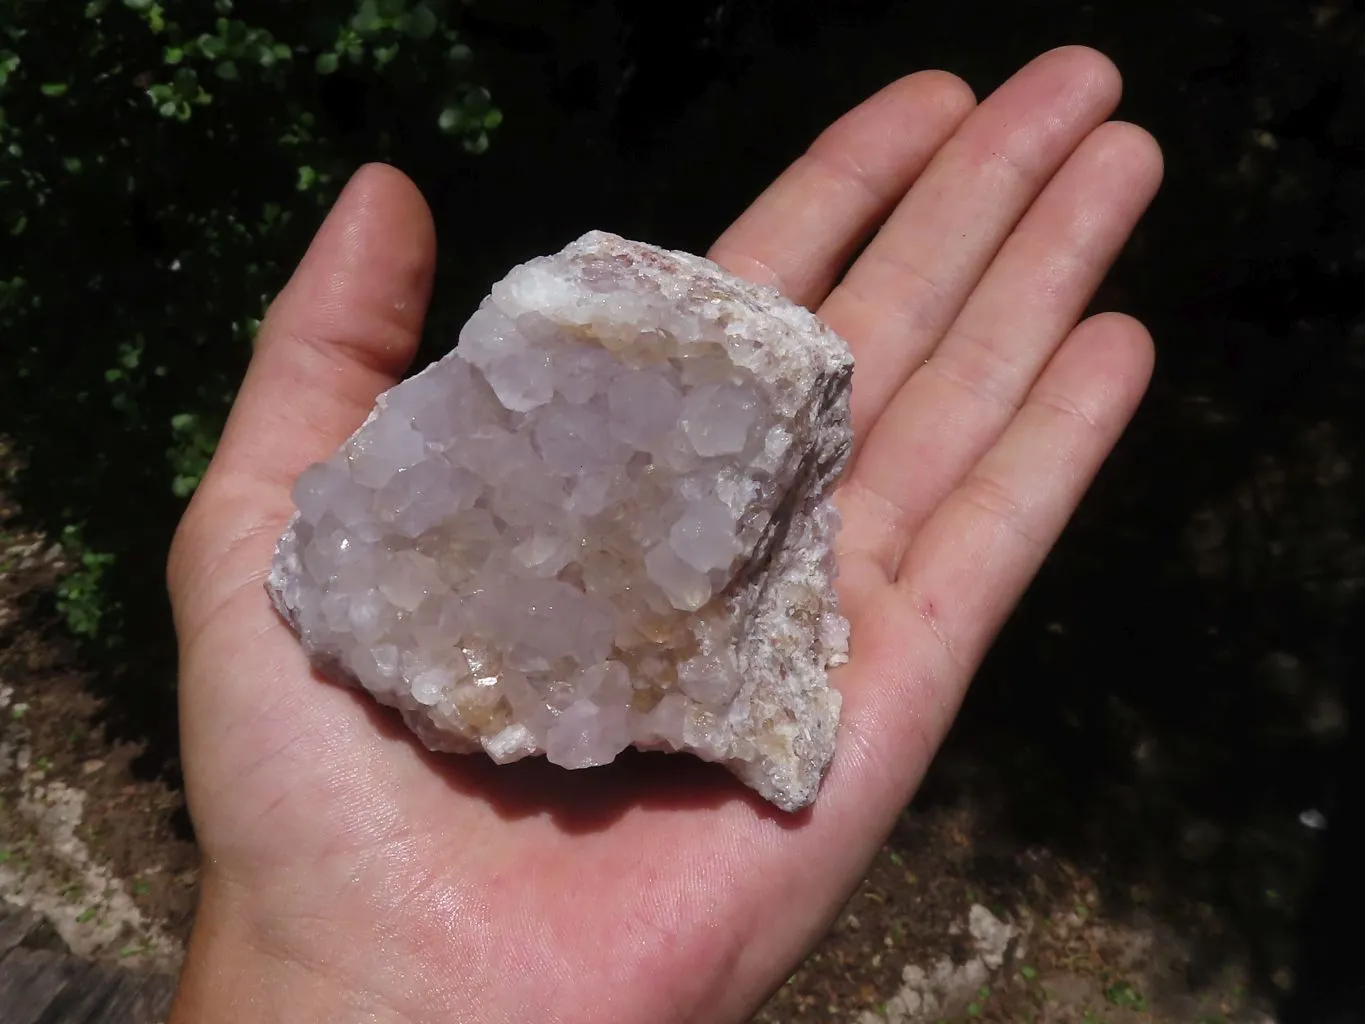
[{"x": 602, "y": 521}]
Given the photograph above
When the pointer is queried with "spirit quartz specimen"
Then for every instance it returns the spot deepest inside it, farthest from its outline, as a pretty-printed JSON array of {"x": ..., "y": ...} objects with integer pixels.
[{"x": 602, "y": 521}]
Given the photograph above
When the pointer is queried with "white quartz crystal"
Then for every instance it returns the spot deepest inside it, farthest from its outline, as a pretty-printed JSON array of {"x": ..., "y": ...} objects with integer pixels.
[{"x": 602, "y": 521}]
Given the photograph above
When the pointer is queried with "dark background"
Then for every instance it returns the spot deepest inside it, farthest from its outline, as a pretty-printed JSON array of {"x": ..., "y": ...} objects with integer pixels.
[{"x": 1179, "y": 686}]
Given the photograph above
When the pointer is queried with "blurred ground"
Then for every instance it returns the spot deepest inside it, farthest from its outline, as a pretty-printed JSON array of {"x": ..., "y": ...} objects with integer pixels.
[{"x": 84, "y": 841}]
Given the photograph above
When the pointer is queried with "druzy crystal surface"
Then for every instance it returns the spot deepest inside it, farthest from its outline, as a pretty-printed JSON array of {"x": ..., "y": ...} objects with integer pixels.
[{"x": 602, "y": 521}]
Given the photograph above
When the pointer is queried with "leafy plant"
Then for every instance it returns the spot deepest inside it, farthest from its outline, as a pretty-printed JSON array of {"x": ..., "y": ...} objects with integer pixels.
[
  {"x": 195, "y": 442},
  {"x": 80, "y": 595},
  {"x": 1124, "y": 993},
  {"x": 162, "y": 166}
]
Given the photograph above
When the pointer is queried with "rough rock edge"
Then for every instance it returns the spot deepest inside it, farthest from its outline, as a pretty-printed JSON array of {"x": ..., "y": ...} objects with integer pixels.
[{"x": 796, "y": 547}]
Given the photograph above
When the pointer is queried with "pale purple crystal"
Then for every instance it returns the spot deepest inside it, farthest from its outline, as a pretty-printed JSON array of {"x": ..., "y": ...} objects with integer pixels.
[{"x": 603, "y": 521}]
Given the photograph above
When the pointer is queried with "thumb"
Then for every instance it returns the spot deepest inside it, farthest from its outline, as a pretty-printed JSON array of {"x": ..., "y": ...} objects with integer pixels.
[{"x": 342, "y": 331}]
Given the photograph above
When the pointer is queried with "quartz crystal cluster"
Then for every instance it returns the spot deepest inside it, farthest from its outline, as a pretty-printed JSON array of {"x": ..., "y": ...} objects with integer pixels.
[{"x": 602, "y": 521}]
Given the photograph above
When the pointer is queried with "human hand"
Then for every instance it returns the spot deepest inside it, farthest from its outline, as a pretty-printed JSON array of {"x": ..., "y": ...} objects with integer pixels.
[{"x": 349, "y": 874}]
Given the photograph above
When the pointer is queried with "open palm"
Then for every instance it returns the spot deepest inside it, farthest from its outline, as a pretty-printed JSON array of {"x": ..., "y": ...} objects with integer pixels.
[{"x": 351, "y": 875}]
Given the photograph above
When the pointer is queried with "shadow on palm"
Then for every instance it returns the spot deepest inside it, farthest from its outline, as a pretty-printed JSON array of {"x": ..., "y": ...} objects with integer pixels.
[{"x": 582, "y": 800}]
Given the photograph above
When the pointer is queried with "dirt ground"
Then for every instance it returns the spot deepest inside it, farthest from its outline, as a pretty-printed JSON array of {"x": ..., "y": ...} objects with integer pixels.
[
  {"x": 84, "y": 839},
  {"x": 953, "y": 923},
  {"x": 938, "y": 932}
]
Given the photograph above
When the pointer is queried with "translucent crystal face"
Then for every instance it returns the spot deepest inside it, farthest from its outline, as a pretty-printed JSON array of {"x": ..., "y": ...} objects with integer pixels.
[{"x": 538, "y": 544}]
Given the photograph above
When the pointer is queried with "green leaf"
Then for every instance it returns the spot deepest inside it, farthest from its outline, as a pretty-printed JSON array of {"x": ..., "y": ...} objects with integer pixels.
[
  {"x": 1123, "y": 993},
  {"x": 421, "y": 22},
  {"x": 138, "y": 5},
  {"x": 95, "y": 8},
  {"x": 477, "y": 145},
  {"x": 186, "y": 82},
  {"x": 173, "y": 55},
  {"x": 392, "y": 8},
  {"x": 282, "y": 51},
  {"x": 222, "y": 6},
  {"x": 326, "y": 63},
  {"x": 227, "y": 70},
  {"x": 72, "y": 164},
  {"x": 9, "y": 63},
  {"x": 307, "y": 178},
  {"x": 367, "y": 20},
  {"x": 459, "y": 52},
  {"x": 55, "y": 89},
  {"x": 212, "y": 46},
  {"x": 450, "y": 119},
  {"x": 477, "y": 101},
  {"x": 492, "y": 119}
]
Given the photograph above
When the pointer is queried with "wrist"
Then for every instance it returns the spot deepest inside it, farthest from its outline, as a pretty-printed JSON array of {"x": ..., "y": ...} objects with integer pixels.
[{"x": 236, "y": 970}]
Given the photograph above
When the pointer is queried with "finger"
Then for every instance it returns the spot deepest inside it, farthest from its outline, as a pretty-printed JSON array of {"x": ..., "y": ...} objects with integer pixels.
[
  {"x": 956, "y": 404},
  {"x": 801, "y": 232},
  {"x": 970, "y": 564},
  {"x": 341, "y": 332},
  {"x": 907, "y": 288}
]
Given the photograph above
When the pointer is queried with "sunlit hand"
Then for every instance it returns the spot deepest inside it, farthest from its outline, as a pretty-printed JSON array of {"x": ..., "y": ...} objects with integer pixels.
[{"x": 349, "y": 875}]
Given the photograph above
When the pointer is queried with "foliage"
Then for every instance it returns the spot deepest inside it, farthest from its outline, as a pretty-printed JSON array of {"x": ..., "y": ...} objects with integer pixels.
[
  {"x": 162, "y": 165},
  {"x": 1123, "y": 993},
  {"x": 80, "y": 595}
]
